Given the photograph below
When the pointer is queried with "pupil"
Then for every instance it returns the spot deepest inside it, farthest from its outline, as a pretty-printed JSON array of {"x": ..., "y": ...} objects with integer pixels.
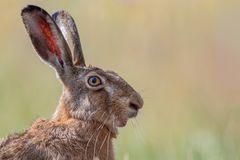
[{"x": 94, "y": 80}]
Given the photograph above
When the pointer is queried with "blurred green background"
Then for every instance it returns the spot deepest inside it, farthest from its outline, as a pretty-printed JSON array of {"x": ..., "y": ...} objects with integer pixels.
[{"x": 182, "y": 56}]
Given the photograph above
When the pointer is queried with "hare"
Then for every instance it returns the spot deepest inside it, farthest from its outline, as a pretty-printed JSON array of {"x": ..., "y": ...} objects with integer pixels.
[{"x": 94, "y": 102}]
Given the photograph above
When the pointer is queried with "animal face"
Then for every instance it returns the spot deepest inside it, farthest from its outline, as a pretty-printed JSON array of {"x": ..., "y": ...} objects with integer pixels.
[{"x": 102, "y": 96}]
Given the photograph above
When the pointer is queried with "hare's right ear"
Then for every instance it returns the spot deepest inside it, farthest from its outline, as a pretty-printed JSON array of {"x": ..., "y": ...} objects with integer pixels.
[
  {"x": 67, "y": 25},
  {"x": 47, "y": 38}
]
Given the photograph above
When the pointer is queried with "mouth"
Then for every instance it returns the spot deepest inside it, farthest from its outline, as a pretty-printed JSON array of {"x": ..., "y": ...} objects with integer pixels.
[
  {"x": 121, "y": 120},
  {"x": 131, "y": 113}
]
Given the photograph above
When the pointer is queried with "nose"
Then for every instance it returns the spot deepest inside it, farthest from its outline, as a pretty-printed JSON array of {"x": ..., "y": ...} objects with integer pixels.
[{"x": 135, "y": 103}]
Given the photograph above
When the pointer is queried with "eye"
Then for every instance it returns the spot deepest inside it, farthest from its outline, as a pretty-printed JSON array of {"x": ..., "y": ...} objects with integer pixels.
[{"x": 94, "y": 81}]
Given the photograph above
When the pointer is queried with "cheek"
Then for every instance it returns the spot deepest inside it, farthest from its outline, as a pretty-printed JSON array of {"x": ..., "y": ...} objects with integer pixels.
[
  {"x": 98, "y": 99},
  {"x": 120, "y": 105}
]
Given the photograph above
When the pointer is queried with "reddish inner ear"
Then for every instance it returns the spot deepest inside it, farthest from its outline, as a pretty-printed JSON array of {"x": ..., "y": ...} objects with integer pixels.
[{"x": 51, "y": 44}]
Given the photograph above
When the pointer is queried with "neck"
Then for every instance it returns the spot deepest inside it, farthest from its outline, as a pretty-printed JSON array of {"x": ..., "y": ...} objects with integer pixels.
[{"x": 94, "y": 137}]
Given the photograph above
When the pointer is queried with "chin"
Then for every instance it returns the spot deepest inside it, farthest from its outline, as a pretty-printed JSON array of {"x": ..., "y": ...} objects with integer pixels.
[
  {"x": 116, "y": 123},
  {"x": 121, "y": 122}
]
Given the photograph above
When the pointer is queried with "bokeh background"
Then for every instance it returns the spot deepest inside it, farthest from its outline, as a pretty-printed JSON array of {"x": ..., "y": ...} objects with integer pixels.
[{"x": 182, "y": 56}]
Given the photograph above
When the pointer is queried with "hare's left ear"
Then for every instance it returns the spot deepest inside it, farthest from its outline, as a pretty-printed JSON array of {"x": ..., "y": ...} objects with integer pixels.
[
  {"x": 69, "y": 30},
  {"x": 47, "y": 39}
]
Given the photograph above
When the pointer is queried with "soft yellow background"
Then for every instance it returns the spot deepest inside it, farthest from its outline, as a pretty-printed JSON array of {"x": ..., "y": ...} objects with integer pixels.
[{"x": 183, "y": 56}]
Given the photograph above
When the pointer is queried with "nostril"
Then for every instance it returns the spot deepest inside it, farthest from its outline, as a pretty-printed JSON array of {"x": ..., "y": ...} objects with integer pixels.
[
  {"x": 136, "y": 100},
  {"x": 134, "y": 106}
]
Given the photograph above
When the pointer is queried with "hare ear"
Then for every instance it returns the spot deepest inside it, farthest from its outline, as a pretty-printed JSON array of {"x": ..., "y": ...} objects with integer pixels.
[
  {"x": 47, "y": 38},
  {"x": 67, "y": 25}
]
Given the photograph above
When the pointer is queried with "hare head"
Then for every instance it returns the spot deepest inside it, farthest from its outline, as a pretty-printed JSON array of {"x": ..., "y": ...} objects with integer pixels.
[{"x": 89, "y": 93}]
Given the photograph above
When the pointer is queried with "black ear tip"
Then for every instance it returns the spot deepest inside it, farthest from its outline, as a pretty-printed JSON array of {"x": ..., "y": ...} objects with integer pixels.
[
  {"x": 30, "y": 9},
  {"x": 56, "y": 14},
  {"x": 60, "y": 13}
]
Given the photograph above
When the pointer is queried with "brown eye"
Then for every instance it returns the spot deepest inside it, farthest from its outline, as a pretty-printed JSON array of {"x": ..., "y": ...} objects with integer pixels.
[{"x": 94, "y": 81}]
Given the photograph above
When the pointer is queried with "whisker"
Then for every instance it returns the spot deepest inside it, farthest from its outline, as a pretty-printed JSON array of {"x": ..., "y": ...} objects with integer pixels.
[
  {"x": 91, "y": 137},
  {"x": 104, "y": 140},
  {"x": 100, "y": 127},
  {"x": 92, "y": 114},
  {"x": 100, "y": 118},
  {"x": 132, "y": 124},
  {"x": 136, "y": 131},
  {"x": 143, "y": 90},
  {"x": 95, "y": 144},
  {"x": 139, "y": 131},
  {"x": 108, "y": 146}
]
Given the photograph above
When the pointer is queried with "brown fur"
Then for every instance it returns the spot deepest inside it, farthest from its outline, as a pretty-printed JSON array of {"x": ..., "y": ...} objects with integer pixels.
[{"x": 87, "y": 117}]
